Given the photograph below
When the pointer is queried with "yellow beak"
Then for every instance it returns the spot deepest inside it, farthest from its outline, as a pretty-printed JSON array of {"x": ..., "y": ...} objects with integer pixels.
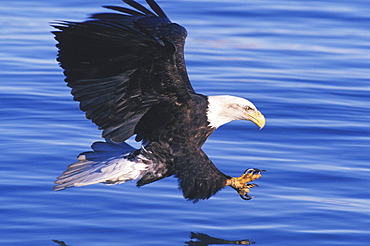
[{"x": 257, "y": 118}]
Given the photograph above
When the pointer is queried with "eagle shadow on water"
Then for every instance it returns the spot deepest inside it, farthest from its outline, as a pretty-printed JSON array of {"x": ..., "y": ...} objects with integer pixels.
[{"x": 128, "y": 72}]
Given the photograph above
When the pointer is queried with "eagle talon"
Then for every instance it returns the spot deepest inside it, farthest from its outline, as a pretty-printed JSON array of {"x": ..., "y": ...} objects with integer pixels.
[{"x": 241, "y": 184}]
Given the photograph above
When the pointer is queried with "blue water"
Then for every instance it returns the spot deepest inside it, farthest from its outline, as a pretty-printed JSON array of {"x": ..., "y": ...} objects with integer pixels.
[{"x": 305, "y": 64}]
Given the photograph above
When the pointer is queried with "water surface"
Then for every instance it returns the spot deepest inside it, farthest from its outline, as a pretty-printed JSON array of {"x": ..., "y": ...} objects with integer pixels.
[{"x": 305, "y": 64}]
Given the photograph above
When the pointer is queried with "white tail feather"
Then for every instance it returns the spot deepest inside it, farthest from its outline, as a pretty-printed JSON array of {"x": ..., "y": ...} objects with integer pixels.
[{"x": 115, "y": 169}]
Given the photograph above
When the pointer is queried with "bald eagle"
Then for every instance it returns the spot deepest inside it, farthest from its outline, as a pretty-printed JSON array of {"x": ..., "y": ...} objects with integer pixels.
[{"x": 128, "y": 72}]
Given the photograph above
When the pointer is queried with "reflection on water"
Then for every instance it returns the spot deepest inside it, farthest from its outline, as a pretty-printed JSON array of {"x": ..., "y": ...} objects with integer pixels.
[
  {"x": 60, "y": 243},
  {"x": 201, "y": 239},
  {"x": 205, "y": 240}
]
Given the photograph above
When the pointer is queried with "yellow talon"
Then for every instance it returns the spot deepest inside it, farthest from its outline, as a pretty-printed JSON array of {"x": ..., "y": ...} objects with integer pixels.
[{"x": 240, "y": 184}]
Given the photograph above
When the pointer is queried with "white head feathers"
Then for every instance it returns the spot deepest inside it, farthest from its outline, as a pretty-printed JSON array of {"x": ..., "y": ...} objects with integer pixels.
[{"x": 223, "y": 109}]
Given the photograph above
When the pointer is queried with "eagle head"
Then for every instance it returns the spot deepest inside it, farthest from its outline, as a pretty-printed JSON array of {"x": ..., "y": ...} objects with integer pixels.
[{"x": 223, "y": 109}]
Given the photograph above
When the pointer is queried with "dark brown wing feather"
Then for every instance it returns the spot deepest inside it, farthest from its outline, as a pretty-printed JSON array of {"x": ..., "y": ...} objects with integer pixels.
[{"x": 121, "y": 65}]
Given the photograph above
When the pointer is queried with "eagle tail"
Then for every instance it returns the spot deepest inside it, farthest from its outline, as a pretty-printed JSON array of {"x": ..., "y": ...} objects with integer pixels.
[{"x": 108, "y": 163}]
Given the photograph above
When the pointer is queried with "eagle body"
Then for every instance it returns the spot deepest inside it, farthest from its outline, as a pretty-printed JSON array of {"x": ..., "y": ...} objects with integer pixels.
[{"x": 128, "y": 72}]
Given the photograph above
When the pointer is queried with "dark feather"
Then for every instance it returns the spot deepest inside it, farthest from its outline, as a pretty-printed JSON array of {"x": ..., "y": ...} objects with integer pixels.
[
  {"x": 199, "y": 181},
  {"x": 157, "y": 9},
  {"x": 138, "y": 7},
  {"x": 123, "y": 10},
  {"x": 120, "y": 65}
]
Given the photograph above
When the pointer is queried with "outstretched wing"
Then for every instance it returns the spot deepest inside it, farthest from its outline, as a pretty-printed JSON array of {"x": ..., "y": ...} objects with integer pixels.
[{"x": 119, "y": 65}]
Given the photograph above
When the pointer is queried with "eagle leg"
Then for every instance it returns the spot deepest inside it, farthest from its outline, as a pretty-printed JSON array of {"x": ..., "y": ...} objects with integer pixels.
[{"x": 240, "y": 184}]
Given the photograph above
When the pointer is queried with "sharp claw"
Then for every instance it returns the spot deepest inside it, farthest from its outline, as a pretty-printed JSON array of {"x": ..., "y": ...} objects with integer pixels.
[
  {"x": 253, "y": 171},
  {"x": 246, "y": 197},
  {"x": 253, "y": 185},
  {"x": 249, "y": 170}
]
